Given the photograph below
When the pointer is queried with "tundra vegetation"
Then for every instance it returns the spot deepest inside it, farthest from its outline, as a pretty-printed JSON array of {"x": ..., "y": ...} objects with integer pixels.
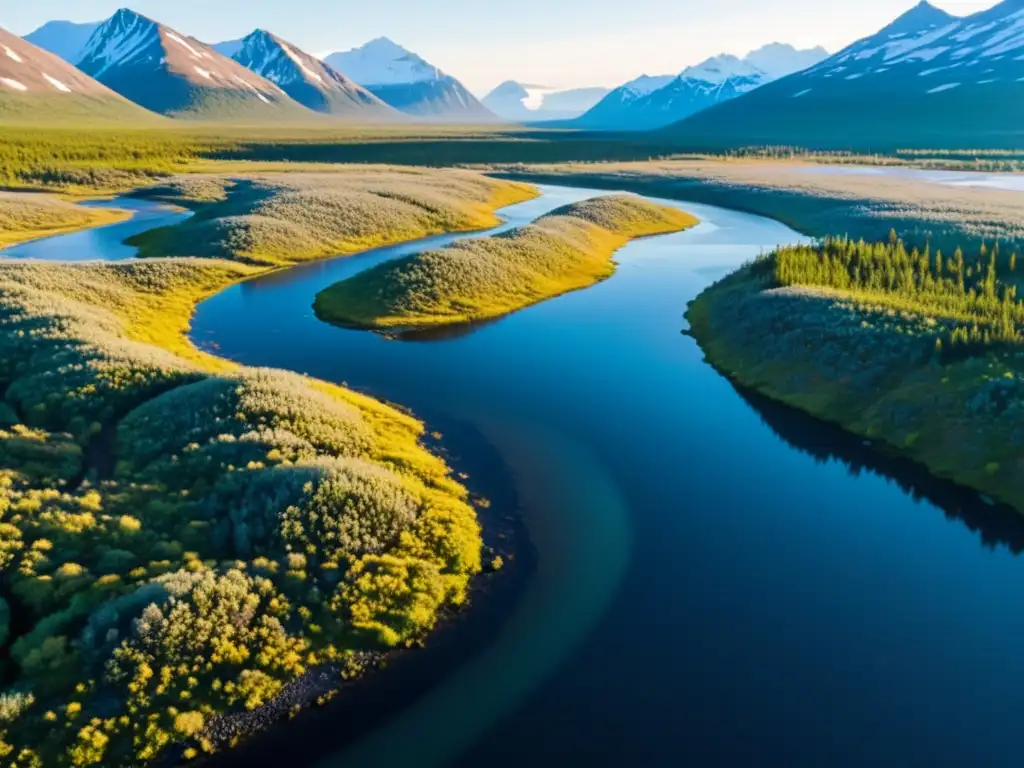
[
  {"x": 477, "y": 279},
  {"x": 183, "y": 539},
  {"x": 26, "y": 217},
  {"x": 62, "y": 156},
  {"x": 861, "y": 205},
  {"x": 920, "y": 350},
  {"x": 280, "y": 219}
]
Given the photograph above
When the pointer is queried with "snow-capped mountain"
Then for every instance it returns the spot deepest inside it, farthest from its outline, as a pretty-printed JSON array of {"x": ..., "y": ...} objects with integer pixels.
[
  {"x": 170, "y": 73},
  {"x": 521, "y": 102},
  {"x": 409, "y": 83},
  {"x": 613, "y": 109},
  {"x": 928, "y": 78},
  {"x": 38, "y": 85},
  {"x": 308, "y": 80},
  {"x": 382, "y": 62},
  {"x": 66, "y": 39},
  {"x": 653, "y": 102}
]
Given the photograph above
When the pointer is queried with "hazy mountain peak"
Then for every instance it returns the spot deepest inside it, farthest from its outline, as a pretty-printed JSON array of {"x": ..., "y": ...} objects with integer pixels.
[
  {"x": 66, "y": 39},
  {"x": 648, "y": 83},
  {"x": 780, "y": 59},
  {"x": 383, "y": 62},
  {"x": 384, "y": 46},
  {"x": 528, "y": 102},
  {"x": 718, "y": 69}
]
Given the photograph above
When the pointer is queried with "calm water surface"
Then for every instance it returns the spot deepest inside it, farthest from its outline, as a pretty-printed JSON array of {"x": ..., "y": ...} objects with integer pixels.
[
  {"x": 101, "y": 243},
  {"x": 1013, "y": 182},
  {"x": 718, "y": 581}
]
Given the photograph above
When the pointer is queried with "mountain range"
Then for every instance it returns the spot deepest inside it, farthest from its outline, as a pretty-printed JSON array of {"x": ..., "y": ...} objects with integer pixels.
[
  {"x": 259, "y": 77},
  {"x": 525, "y": 103},
  {"x": 926, "y": 79},
  {"x": 308, "y": 80},
  {"x": 652, "y": 102},
  {"x": 171, "y": 74}
]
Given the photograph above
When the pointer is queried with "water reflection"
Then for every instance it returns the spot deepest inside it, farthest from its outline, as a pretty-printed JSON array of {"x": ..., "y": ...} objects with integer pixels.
[
  {"x": 101, "y": 243},
  {"x": 996, "y": 524}
]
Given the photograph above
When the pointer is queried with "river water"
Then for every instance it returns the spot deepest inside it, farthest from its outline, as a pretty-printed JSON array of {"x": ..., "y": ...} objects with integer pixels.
[
  {"x": 715, "y": 579},
  {"x": 101, "y": 243}
]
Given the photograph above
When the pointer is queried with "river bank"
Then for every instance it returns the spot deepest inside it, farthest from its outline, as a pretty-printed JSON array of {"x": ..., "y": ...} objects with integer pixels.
[
  {"x": 370, "y": 539},
  {"x": 474, "y": 281},
  {"x": 889, "y": 374},
  {"x": 745, "y": 568}
]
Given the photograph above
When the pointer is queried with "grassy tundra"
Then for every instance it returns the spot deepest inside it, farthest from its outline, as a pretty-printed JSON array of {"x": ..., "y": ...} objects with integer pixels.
[
  {"x": 568, "y": 249},
  {"x": 183, "y": 539},
  {"x": 818, "y": 204},
  {"x": 279, "y": 219},
  {"x": 27, "y": 217},
  {"x": 919, "y": 350}
]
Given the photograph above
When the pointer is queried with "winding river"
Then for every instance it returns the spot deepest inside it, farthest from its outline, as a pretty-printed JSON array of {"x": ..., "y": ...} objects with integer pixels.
[{"x": 711, "y": 579}]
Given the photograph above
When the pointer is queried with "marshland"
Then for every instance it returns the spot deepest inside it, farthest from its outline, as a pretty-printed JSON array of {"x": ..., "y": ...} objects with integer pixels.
[{"x": 187, "y": 446}]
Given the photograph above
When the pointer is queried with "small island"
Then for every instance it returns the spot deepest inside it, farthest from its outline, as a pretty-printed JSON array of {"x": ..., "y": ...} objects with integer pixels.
[
  {"x": 472, "y": 280},
  {"x": 919, "y": 351}
]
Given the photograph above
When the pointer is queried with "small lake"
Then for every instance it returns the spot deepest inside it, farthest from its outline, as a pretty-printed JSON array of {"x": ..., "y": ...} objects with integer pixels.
[
  {"x": 714, "y": 579},
  {"x": 718, "y": 580},
  {"x": 1013, "y": 182}
]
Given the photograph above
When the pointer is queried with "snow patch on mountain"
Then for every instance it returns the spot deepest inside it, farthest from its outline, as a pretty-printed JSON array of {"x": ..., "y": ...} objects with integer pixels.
[
  {"x": 56, "y": 83},
  {"x": 125, "y": 37},
  {"x": 651, "y": 102}
]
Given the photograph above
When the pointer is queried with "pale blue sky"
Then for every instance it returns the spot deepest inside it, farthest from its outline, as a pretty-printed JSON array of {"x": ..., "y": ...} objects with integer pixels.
[{"x": 482, "y": 42}]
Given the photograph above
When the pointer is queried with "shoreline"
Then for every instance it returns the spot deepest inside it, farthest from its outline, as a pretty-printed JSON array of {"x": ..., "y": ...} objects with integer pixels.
[
  {"x": 99, "y": 218},
  {"x": 800, "y": 383},
  {"x": 356, "y": 707},
  {"x": 498, "y": 536}
]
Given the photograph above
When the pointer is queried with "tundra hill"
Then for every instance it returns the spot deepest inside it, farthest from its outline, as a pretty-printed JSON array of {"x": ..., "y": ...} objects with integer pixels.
[{"x": 36, "y": 86}]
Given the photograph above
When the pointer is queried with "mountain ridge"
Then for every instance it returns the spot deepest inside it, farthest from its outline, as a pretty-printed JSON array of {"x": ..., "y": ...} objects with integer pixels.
[
  {"x": 957, "y": 80},
  {"x": 308, "y": 80},
  {"x": 648, "y": 103},
  {"x": 172, "y": 74}
]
